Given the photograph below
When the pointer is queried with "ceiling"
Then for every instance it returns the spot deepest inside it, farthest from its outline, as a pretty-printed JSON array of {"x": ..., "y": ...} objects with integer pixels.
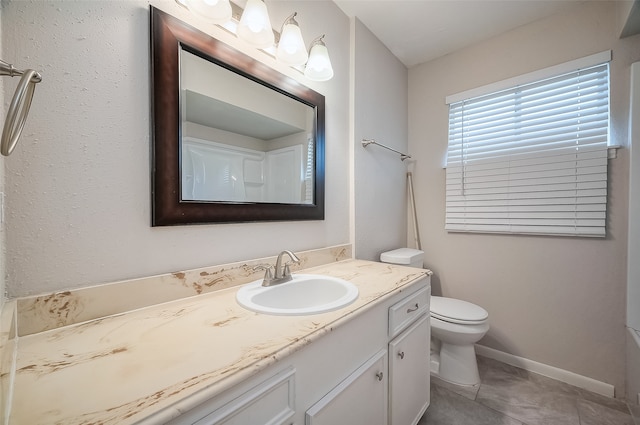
[{"x": 417, "y": 31}]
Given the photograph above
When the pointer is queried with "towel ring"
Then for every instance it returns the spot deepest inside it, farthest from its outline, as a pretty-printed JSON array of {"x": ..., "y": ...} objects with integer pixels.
[{"x": 19, "y": 107}]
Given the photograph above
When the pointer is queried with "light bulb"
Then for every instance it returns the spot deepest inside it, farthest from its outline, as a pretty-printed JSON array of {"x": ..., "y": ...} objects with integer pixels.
[
  {"x": 291, "y": 47},
  {"x": 319, "y": 65},
  {"x": 255, "y": 26}
]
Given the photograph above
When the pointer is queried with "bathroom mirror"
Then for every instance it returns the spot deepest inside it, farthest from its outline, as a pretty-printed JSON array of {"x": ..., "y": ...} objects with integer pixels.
[{"x": 233, "y": 140}]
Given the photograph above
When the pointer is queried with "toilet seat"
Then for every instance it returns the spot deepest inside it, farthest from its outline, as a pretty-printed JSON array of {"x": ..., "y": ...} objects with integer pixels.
[{"x": 457, "y": 311}]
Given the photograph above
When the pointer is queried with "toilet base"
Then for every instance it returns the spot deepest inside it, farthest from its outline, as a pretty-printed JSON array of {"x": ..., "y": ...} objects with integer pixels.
[{"x": 455, "y": 364}]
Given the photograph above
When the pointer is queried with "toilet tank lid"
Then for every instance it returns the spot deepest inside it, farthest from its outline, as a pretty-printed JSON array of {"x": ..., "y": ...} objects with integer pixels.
[{"x": 401, "y": 256}]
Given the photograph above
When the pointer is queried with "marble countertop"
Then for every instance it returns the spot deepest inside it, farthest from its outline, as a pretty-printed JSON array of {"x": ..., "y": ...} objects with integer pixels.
[{"x": 143, "y": 365}]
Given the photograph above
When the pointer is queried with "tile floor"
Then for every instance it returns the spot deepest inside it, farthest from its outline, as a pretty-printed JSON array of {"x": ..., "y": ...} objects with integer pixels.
[{"x": 508, "y": 395}]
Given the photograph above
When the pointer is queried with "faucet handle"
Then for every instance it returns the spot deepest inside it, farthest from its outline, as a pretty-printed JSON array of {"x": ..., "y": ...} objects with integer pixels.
[
  {"x": 268, "y": 270},
  {"x": 287, "y": 269}
]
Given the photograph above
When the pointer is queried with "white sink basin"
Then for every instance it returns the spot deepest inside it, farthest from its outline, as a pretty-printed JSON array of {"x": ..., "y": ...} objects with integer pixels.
[{"x": 304, "y": 294}]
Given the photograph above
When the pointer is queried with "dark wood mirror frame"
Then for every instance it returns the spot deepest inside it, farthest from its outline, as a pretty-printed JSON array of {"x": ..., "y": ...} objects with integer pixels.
[{"x": 168, "y": 34}]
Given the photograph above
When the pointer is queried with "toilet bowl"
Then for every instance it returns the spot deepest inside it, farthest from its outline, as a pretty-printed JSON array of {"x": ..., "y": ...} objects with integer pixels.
[{"x": 456, "y": 326}]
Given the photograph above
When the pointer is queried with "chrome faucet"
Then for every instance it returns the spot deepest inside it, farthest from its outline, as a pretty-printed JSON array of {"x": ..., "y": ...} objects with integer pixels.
[{"x": 281, "y": 274}]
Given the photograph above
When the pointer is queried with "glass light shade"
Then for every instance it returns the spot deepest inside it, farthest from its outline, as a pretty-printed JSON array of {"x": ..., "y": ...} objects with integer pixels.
[
  {"x": 319, "y": 65},
  {"x": 291, "y": 47},
  {"x": 255, "y": 26},
  {"x": 214, "y": 11}
]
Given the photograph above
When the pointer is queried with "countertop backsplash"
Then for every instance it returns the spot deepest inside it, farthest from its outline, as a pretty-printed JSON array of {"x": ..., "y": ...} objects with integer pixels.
[{"x": 45, "y": 312}]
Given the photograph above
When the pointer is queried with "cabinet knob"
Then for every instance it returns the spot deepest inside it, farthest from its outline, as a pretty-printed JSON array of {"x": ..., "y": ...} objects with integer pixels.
[
  {"x": 401, "y": 354},
  {"x": 379, "y": 375},
  {"x": 414, "y": 308}
]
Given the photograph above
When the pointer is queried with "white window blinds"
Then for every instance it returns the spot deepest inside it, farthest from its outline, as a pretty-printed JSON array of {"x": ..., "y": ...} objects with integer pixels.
[{"x": 531, "y": 159}]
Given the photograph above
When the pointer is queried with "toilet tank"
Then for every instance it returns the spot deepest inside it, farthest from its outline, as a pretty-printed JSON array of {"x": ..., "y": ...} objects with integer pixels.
[{"x": 404, "y": 256}]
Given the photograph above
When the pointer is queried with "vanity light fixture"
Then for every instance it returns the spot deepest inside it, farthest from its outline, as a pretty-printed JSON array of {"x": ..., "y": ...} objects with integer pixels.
[
  {"x": 213, "y": 11},
  {"x": 291, "y": 48},
  {"x": 252, "y": 24},
  {"x": 319, "y": 65},
  {"x": 255, "y": 26}
]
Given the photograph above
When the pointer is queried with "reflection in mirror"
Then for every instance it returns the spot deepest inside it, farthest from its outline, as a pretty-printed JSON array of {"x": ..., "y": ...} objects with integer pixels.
[
  {"x": 233, "y": 139},
  {"x": 241, "y": 141}
]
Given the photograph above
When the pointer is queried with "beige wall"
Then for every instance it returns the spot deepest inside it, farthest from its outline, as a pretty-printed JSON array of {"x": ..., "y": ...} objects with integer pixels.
[
  {"x": 555, "y": 300},
  {"x": 78, "y": 184},
  {"x": 380, "y": 108}
]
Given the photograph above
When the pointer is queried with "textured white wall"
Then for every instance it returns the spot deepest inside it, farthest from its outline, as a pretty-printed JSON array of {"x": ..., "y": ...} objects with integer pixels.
[
  {"x": 558, "y": 301},
  {"x": 78, "y": 184},
  {"x": 380, "y": 99}
]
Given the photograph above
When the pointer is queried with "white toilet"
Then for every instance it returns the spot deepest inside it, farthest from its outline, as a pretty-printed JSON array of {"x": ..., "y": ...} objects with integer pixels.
[{"x": 456, "y": 326}]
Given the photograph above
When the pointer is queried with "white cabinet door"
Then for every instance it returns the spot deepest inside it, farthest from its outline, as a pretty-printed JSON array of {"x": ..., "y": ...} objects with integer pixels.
[
  {"x": 361, "y": 399},
  {"x": 269, "y": 403},
  {"x": 409, "y": 374}
]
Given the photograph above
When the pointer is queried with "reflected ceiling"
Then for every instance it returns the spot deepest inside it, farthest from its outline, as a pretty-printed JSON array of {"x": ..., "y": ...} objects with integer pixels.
[{"x": 204, "y": 110}]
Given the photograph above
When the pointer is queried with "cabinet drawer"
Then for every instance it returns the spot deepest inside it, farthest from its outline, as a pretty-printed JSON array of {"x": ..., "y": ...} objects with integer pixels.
[{"x": 404, "y": 312}]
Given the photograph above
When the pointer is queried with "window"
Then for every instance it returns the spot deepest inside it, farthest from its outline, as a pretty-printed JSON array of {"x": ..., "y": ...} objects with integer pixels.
[{"x": 531, "y": 158}]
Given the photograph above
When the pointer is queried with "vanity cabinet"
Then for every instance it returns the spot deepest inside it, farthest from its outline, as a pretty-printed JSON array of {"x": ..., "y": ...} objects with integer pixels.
[
  {"x": 372, "y": 369},
  {"x": 402, "y": 397}
]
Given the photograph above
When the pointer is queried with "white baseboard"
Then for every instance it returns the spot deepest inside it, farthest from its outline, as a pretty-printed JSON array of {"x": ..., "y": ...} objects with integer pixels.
[{"x": 562, "y": 375}]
